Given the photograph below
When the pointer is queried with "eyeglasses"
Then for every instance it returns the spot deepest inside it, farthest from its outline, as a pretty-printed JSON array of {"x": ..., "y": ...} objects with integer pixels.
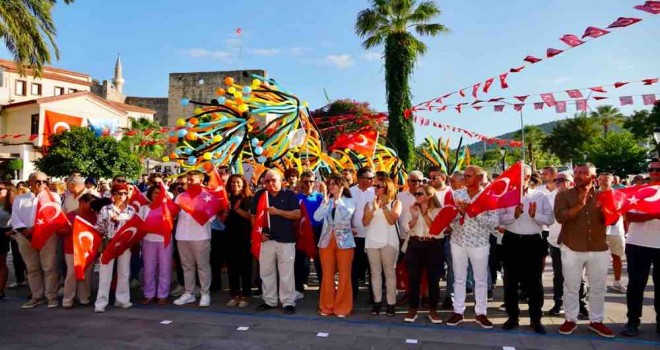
[
  {"x": 41, "y": 182},
  {"x": 269, "y": 180},
  {"x": 379, "y": 186},
  {"x": 651, "y": 170},
  {"x": 415, "y": 180},
  {"x": 419, "y": 194}
]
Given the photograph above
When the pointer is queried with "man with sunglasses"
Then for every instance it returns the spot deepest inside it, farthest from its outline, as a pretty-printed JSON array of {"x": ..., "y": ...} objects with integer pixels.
[
  {"x": 362, "y": 193},
  {"x": 312, "y": 201},
  {"x": 642, "y": 251},
  {"x": 407, "y": 198},
  {"x": 117, "y": 180},
  {"x": 41, "y": 264}
]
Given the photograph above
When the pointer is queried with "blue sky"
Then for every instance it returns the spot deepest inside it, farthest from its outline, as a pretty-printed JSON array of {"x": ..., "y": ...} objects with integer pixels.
[{"x": 310, "y": 45}]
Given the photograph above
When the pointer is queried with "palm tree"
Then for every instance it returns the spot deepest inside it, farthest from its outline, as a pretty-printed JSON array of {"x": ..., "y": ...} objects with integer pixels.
[
  {"x": 387, "y": 22},
  {"x": 534, "y": 137},
  {"x": 608, "y": 116},
  {"x": 569, "y": 137},
  {"x": 27, "y": 28},
  {"x": 145, "y": 139}
]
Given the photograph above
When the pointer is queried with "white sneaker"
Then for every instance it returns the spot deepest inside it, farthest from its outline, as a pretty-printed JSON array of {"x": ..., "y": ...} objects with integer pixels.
[
  {"x": 185, "y": 299},
  {"x": 205, "y": 300},
  {"x": 299, "y": 296},
  {"x": 99, "y": 310},
  {"x": 177, "y": 291},
  {"x": 123, "y": 305},
  {"x": 233, "y": 302},
  {"x": 617, "y": 286}
]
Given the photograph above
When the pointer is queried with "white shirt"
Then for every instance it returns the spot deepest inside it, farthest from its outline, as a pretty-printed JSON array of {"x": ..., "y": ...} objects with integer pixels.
[
  {"x": 24, "y": 210},
  {"x": 644, "y": 234},
  {"x": 421, "y": 229},
  {"x": 617, "y": 229},
  {"x": 70, "y": 202},
  {"x": 360, "y": 198},
  {"x": 525, "y": 224},
  {"x": 187, "y": 229},
  {"x": 407, "y": 200},
  {"x": 555, "y": 228},
  {"x": 441, "y": 194},
  {"x": 473, "y": 232}
]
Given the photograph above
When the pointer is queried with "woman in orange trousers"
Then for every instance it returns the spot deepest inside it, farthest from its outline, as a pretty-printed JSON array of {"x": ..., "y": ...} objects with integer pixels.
[{"x": 336, "y": 246}]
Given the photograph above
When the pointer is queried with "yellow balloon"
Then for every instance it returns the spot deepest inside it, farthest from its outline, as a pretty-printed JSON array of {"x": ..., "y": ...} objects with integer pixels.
[
  {"x": 217, "y": 138},
  {"x": 256, "y": 82},
  {"x": 180, "y": 122},
  {"x": 166, "y": 159},
  {"x": 208, "y": 156},
  {"x": 231, "y": 90},
  {"x": 243, "y": 108},
  {"x": 238, "y": 94},
  {"x": 198, "y": 110}
]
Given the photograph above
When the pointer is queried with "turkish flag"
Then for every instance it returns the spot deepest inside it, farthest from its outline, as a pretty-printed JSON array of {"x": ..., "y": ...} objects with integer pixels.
[
  {"x": 597, "y": 89},
  {"x": 645, "y": 199},
  {"x": 521, "y": 98},
  {"x": 56, "y": 123},
  {"x": 475, "y": 89},
  {"x": 462, "y": 93},
  {"x": 532, "y": 59},
  {"x": 650, "y": 7},
  {"x": 598, "y": 98},
  {"x": 86, "y": 243},
  {"x": 648, "y": 99},
  {"x": 362, "y": 142},
  {"x": 306, "y": 241},
  {"x": 571, "y": 40},
  {"x": 201, "y": 204},
  {"x": 650, "y": 81},
  {"x": 458, "y": 108},
  {"x": 516, "y": 70},
  {"x": 549, "y": 99},
  {"x": 216, "y": 187},
  {"x": 560, "y": 107},
  {"x": 49, "y": 218},
  {"x": 619, "y": 84},
  {"x": 261, "y": 223},
  {"x": 487, "y": 84},
  {"x": 498, "y": 108},
  {"x": 553, "y": 52},
  {"x": 478, "y": 107},
  {"x": 623, "y": 22},
  {"x": 504, "y": 192},
  {"x": 538, "y": 105},
  {"x": 447, "y": 214},
  {"x": 626, "y": 100},
  {"x": 594, "y": 32},
  {"x": 581, "y": 105},
  {"x": 574, "y": 93},
  {"x": 518, "y": 107},
  {"x": 496, "y": 99},
  {"x": 503, "y": 83},
  {"x": 137, "y": 199},
  {"x": 126, "y": 237},
  {"x": 159, "y": 218}
]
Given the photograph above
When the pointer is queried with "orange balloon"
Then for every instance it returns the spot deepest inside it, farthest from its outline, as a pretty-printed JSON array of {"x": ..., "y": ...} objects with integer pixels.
[
  {"x": 229, "y": 81},
  {"x": 208, "y": 166},
  {"x": 194, "y": 121},
  {"x": 220, "y": 91},
  {"x": 239, "y": 101},
  {"x": 191, "y": 136},
  {"x": 173, "y": 139},
  {"x": 173, "y": 156}
]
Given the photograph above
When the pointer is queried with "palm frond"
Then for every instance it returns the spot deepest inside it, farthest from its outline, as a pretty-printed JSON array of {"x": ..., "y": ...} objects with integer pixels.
[
  {"x": 424, "y": 12},
  {"x": 368, "y": 22},
  {"x": 432, "y": 29}
]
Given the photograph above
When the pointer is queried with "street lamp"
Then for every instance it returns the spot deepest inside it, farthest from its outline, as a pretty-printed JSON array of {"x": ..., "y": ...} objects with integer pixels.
[{"x": 503, "y": 153}]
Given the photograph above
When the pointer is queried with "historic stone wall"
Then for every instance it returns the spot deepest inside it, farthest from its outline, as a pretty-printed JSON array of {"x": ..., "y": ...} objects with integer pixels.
[
  {"x": 199, "y": 86},
  {"x": 158, "y": 104}
]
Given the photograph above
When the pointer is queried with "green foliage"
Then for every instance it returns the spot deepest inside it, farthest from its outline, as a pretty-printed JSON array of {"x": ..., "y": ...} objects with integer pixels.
[
  {"x": 28, "y": 30},
  {"x": 15, "y": 165},
  {"x": 81, "y": 150},
  {"x": 145, "y": 146},
  {"x": 642, "y": 123},
  {"x": 535, "y": 155},
  {"x": 618, "y": 153},
  {"x": 569, "y": 137},
  {"x": 344, "y": 107},
  {"x": 607, "y": 116},
  {"x": 387, "y": 22}
]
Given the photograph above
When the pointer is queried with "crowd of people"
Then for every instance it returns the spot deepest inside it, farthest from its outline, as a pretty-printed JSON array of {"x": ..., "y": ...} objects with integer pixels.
[{"x": 368, "y": 231}]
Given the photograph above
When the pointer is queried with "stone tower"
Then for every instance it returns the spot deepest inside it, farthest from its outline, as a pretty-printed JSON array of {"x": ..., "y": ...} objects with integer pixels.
[{"x": 118, "y": 80}]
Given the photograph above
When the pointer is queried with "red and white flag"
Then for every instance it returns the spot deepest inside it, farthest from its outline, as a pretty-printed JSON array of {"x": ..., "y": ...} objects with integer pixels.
[
  {"x": 650, "y": 81},
  {"x": 650, "y": 7},
  {"x": 498, "y": 108},
  {"x": 549, "y": 99},
  {"x": 503, "y": 83},
  {"x": 619, "y": 84},
  {"x": 516, "y": 70},
  {"x": 574, "y": 93},
  {"x": 553, "y": 52},
  {"x": 362, "y": 142},
  {"x": 532, "y": 59},
  {"x": 521, "y": 98},
  {"x": 504, "y": 192},
  {"x": 137, "y": 199},
  {"x": 581, "y": 105},
  {"x": 538, "y": 106},
  {"x": 560, "y": 107},
  {"x": 645, "y": 199},
  {"x": 626, "y": 100},
  {"x": 216, "y": 186},
  {"x": 487, "y": 84},
  {"x": 56, "y": 123},
  {"x": 649, "y": 99},
  {"x": 571, "y": 40},
  {"x": 49, "y": 219},
  {"x": 623, "y": 22},
  {"x": 261, "y": 223},
  {"x": 475, "y": 89},
  {"x": 306, "y": 241},
  {"x": 518, "y": 107},
  {"x": 127, "y": 236},
  {"x": 447, "y": 214},
  {"x": 598, "y": 89},
  {"x": 86, "y": 243},
  {"x": 159, "y": 218},
  {"x": 200, "y": 204},
  {"x": 594, "y": 32}
]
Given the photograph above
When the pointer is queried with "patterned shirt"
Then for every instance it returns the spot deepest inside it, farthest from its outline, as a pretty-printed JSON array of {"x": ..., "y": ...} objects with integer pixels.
[
  {"x": 111, "y": 219},
  {"x": 472, "y": 232}
]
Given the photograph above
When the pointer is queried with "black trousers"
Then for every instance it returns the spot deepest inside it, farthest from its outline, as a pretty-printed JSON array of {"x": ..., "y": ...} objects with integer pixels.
[
  {"x": 239, "y": 265},
  {"x": 421, "y": 256},
  {"x": 301, "y": 270},
  {"x": 558, "y": 279},
  {"x": 523, "y": 259},
  {"x": 317, "y": 261},
  {"x": 494, "y": 260},
  {"x": 360, "y": 266},
  {"x": 17, "y": 260},
  {"x": 218, "y": 257},
  {"x": 640, "y": 260}
]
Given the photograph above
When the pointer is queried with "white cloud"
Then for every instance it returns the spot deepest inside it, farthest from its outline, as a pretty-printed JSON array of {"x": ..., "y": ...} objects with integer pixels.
[
  {"x": 299, "y": 50},
  {"x": 339, "y": 61},
  {"x": 265, "y": 52},
  {"x": 204, "y": 53},
  {"x": 372, "y": 56}
]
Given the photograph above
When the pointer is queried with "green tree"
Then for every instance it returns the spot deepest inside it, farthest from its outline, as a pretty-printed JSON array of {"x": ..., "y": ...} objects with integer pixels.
[
  {"x": 608, "y": 116},
  {"x": 330, "y": 128},
  {"x": 642, "y": 123},
  {"x": 618, "y": 153},
  {"x": 387, "y": 22},
  {"x": 569, "y": 137},
  {"x": 28, "y": 29},
  {"x": 535, "y": 155},
  {"x": 145, "y": 139},
  {"x": 81, "y": 150}
]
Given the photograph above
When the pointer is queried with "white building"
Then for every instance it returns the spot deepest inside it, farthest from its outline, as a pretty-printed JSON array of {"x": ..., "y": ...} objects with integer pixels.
[{"x": 32, "y": 108}]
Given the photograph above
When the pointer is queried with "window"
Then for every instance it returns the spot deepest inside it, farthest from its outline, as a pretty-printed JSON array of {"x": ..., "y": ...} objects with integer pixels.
[
  {"x": 36, "y": 89},
  {"x": 59, "y": 91},
  {"x": 34, "y": 124},
  {"x": 72, "y": 91},
  {"x": 21, "y": 87}
]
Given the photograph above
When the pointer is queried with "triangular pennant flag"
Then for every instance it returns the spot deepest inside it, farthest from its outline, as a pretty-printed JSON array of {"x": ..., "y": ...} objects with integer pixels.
[
  {"x": 623, "y": 22},
  {"x": 518, "y": 107},
  {"x": 461, "y": 93},
  {"x": 650, "y": 81},
  {"x": 652, "y": 7},
  {"x": 597, "y": 89},
  {"x": 553, "y": 52},
  {"x": 532, "y": 59},
  {"x": 594, "y": 32},
  {"x": 598, "y": 98},
  {"x": 487, "y": 84},
  {"x": 475, "y": 89},
  {"x": 498, "y": 108},
  {"x": 571, "y": 40},
  {"x": 619, "y": 84},
  {"x": 516, "y": 70},
  {"x": 503, "y": 83},
  {"x": 521, "y": 98}
]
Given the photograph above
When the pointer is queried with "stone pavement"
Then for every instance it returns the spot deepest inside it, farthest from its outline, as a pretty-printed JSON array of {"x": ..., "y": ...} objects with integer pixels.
[{"x": 217, "y": 327}]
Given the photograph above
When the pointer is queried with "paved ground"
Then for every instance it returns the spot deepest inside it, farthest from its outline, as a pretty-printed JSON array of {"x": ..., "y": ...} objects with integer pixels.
[{"x": 219, "y": 327}]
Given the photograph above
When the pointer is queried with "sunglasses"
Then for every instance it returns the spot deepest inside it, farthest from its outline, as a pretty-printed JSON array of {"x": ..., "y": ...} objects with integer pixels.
[
  {"x": 651, "y": 170},
  {"x": 41, "y": 182},
  {"x": 415, "y": 180},
  {"x": 419, "y": 194}
]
